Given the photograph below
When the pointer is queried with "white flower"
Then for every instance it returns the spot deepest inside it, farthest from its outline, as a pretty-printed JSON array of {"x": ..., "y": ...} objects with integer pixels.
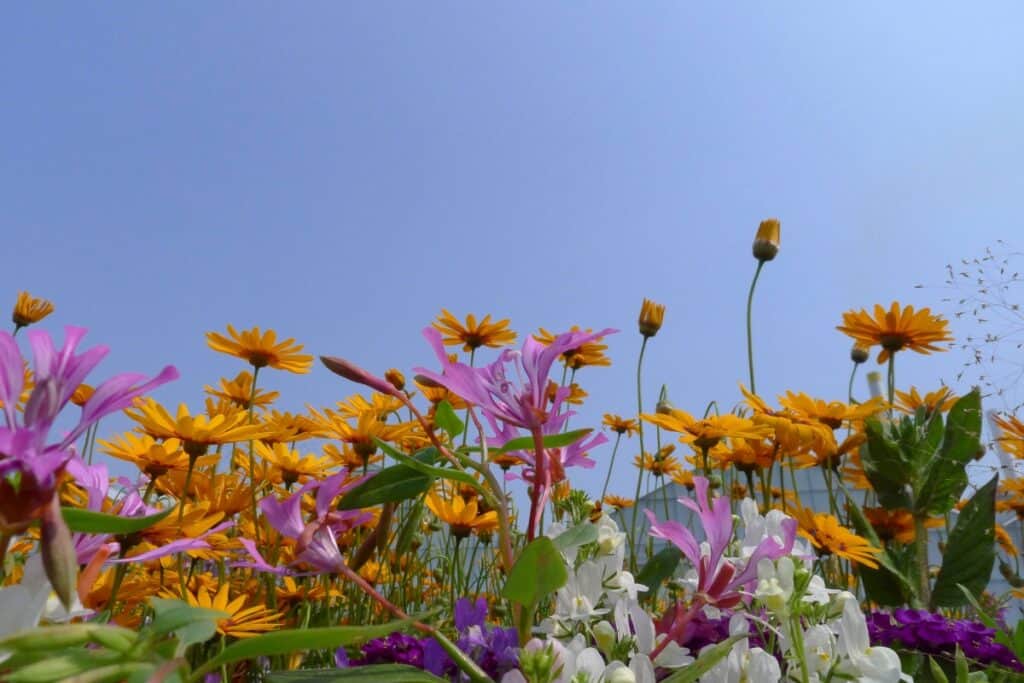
[
  {"x": 578, "y": 599},
  {"x": 868, "y": 664},
  {"x": 775, "y": 583},
  {"x": 743, "y": 663}
]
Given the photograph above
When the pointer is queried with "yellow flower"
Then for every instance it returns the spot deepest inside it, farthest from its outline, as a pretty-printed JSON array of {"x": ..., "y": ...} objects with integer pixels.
[
  {"x": 242, "y": 621},
  {"x": 896, "y": 330},
  {"x": 379, "y": 404},
  {"x": 287, "y": 427},
  {"x": 292, "y": 464},
  {"x": 942, "y": 399},
  {"x": 1012, "y": 436},
  {"x": 766, "y": 242},
  {"x": 261, "y": 350},
  {"x": 154, "y": 458},
  {"x": 831, "y": 538},
  {"x": 618, "y": 502},
  {"x": 461, "y": 515},
  {"x": 620, "y": 425},
  {"x": 347, "y": 457},
  {"x": 574, "y": 397},
  {"x": 586, "y": 354},
  {"x": 1005, "y": 541},
  {"x": 746, "y": 455},
  {"x": 473, "y": 335},
  {"x": 684, "y": 478},
  {"x": 395, "y": 378},
  {"x": 82, "y": 394},
  {"x": 896, "y": 525},
  {"x": 660, "y": 465},
  {"x": 197, "y": 433},
  {"x": 651, "y": 317},
  {"x": 362, "y": 437},
  {"x": 705, "y": 433},
  {"x": 833, "y": 414},
  {"x": 29, "y": 309},
  {"x": 239, "y": 390}
]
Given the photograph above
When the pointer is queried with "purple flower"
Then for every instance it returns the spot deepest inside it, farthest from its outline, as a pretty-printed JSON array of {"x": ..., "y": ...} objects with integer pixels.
[
  {"x": 519, "y": 402},
  {"x": 933, "y": 634},
  {"x": 24, "y": 450},
  {"x": 720, "y": 582}
]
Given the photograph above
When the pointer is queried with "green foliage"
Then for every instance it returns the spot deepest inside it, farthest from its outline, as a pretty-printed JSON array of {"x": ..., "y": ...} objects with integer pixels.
[
  {"x": 446, "y": 419},
  {"x": 711, "y": 656},
  {"x": 91, "y": 522},
  {"x": 106, "y": 652},
  {"x": 390, "y": 485},
  {"x": 658, "y": 568},
  {"x": 379, "y": 673},
  {"x": 525, "y": 443},
  {"x": 577, "y": 536},
  {"x": 970, "y": 551},
  {"x": 539, "y": 571}
]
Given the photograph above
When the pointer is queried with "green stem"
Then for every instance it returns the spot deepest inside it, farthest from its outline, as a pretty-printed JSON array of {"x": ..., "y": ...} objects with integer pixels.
[
  {"x": 611, "y": 464},
  {"x": 849, "y": 390},
  {"x": 892, "y": 381},
  {"x": 252, "y": 460},
  {"x": 750, "y": 331},
  {"x": 640, "y": 435},
  {"x": 921, "y": 552}
]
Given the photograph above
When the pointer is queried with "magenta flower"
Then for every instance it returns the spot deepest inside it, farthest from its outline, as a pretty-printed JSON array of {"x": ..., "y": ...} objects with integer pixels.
[
  {"x": 24, "y": 450},
  {"x": 520, "y": 401},
  {"x": 721, "y": 581}
]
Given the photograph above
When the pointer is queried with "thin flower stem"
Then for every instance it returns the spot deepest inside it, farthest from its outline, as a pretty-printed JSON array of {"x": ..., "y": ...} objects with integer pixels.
[
  {"x": 849, "y": 390},
  {"x": 611, "y": 464},
  {"x": 539, "y": 490},
  {"x": 750, "y": 331},
  {"x": 252, "y": 460},
  {"x": 892, "y": 382},
  {"x": 640, "y": 435}
]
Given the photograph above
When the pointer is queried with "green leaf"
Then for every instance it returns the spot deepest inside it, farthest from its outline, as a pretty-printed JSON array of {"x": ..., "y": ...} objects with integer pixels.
[
  {"x": 581, "y": 534},
  {"x": 886, "y": 466},
  {"x": 390, "y": 485},
  {"x": 661, "y": 566},
  {"x": 62, "y": 666},
  {"x": 539, "y": 571},
  {"x": 889, "y": 584},
  {"x": 91, "y": 522},
  {"x": 296, "y": 640},
  {"x": 525, "y": 443},
  {"x": 446, "y": 419},
  {"x": 945, "y": 475},
  {"x": 410, "y": 525},
  {"x": 172, "y": 615},
  {"x": 711, "y": 656},
  {"x": 970, "y": 551},
  {"x": 938, "y": 675},
  {"x": 378, "y": 673},
  {"x": 418, "y": 463}
]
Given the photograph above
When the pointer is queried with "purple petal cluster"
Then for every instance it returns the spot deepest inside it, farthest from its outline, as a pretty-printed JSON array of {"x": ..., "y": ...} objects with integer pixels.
[
  {"x": 495, "y": 649},
  {"x": 932, "y": 633}
]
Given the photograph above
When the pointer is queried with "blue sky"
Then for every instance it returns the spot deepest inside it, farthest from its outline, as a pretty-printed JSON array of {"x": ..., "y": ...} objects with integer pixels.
[{"x": 341, "y": 171}]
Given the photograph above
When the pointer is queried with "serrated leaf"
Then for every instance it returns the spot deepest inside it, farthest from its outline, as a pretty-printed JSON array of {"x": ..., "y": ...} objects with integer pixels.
[
  {"x": 539, "y": 571},
  {"x": 525, "y": 443},
  {"x": 378, "y": 673},
  {"x": 297, "y": 640},
  {"x": 886, "y": 466},
  {"x": 446, "y": 419},
  {"x": 970, "y": 550},
  {"x": 945, "y": 475},
  {"x": 579, "y": 535},
  {"x": 707, "y": 660},
  {"x": 87, "y": 521}
]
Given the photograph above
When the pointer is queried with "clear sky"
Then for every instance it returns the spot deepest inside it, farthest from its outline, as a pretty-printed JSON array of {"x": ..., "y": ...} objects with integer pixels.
[{"x": 339, "y": 171}]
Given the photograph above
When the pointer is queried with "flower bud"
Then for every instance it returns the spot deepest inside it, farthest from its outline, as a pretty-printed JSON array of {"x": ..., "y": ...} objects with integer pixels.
[
  {"x": 651, "y": 317},
  {"x": 606, "y": 637},
  {"x": 620, "y": 674},
  {"x": 396, "y": 378},
  {"x": 664, "y": 406},
  {"x": 58, "y": 550},
  {"x": 354, "y": 373},
  {"x": 766, "y": 243},
  {"x": 859, "y": 353}
]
